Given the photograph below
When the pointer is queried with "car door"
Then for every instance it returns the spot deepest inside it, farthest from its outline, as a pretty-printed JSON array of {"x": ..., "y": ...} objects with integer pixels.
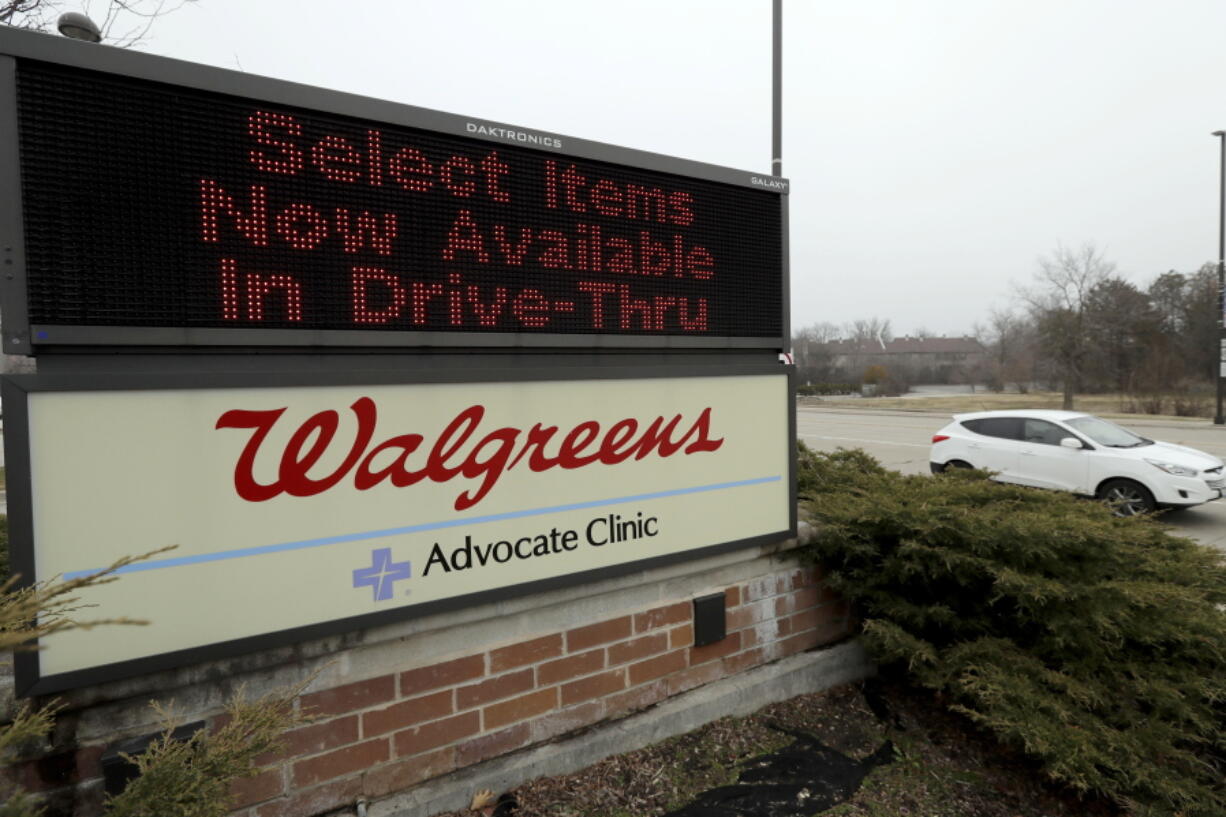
[
  {"x": 995, "y": 445},
  {"x": 1044, "y": 463}
]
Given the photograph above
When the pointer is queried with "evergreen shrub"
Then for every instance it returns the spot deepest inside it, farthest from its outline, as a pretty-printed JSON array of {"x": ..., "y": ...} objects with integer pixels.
[
  {"x": 1096, "y": 644},
  {"x": 192, "y": 778},
  {"x": 188, "y": 778}
]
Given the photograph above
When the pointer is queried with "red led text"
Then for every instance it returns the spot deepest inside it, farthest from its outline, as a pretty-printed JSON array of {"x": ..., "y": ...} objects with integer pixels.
[
  {"x": 280, "y": 148},
  {"x": 577, "y": 250},
  {"x": 383, "y": 298},
  {"x": 301, "y": 225},
  {"x": 572, "y": 190},
  {"x": 587, "y": 249}
]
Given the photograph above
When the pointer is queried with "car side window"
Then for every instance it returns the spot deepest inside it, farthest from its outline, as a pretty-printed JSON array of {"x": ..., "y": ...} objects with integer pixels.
[
  {"x": 1041, "y": 431},
  {"x": 1008, "y": 428}
]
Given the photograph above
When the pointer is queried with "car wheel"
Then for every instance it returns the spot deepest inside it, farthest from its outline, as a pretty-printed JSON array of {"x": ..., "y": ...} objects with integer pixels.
[
  {"x": 958, "y": 464},
  {"x": 1127, "y": 498}
]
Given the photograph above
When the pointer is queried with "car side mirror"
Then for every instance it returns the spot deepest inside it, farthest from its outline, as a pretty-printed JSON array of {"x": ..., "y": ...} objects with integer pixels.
[{"x": 1071, "y": 442}]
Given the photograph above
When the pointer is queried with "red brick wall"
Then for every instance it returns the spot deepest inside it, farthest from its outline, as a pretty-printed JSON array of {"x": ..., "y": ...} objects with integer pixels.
[
  {"x": 381, "y": 735},
  {"x": 385, "y": 734}
]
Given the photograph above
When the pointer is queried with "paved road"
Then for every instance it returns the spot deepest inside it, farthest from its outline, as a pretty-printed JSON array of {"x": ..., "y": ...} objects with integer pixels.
[{"x": 900, "y": 440}]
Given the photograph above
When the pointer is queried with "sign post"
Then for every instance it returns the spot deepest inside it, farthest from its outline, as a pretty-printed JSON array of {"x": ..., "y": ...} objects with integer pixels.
[{"x": 1218, "y": 417}]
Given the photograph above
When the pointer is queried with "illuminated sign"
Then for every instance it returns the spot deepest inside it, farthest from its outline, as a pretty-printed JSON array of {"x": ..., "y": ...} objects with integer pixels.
[
  {"x": 160, "y": 208},
  {"x": 305, "y": 510}
]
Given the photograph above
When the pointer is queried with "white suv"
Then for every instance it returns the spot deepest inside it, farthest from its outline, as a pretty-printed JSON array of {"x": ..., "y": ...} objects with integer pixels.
[{"x": 1081, "y": 453}]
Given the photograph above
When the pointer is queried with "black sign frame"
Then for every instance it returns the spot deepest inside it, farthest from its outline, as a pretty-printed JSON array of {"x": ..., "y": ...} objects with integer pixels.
[
  {"x": 23, "y": 337},
  {"x": 16, "y": 391}
]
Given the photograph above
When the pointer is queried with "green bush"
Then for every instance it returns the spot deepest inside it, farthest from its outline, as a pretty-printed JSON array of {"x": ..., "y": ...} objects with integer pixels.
[
  {"x": 189, "y": 778},
  {"x": 875, "y": 374},
  {"x": 192, "y": 778},
  {"x": 1096, "y": 644},
  {"x": 177, "y": 778}
]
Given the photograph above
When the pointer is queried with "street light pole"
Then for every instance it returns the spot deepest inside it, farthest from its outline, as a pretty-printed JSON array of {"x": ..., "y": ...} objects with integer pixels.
[
  {"x": 777, "y": 88},
  {"x": 1218, "y": 419}
]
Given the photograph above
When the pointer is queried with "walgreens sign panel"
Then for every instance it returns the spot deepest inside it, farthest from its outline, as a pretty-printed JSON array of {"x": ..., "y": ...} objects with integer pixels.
[{"x": 300, "y": 511}]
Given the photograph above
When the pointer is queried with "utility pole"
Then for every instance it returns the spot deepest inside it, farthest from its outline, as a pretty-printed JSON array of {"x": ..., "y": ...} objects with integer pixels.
[
  {"x": 1218, "y": 418},
  {"x": 777, "y": 91}
]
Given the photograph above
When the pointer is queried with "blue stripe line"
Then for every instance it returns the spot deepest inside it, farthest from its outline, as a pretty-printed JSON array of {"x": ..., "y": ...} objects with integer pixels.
[{"x": 239, "y": 553}]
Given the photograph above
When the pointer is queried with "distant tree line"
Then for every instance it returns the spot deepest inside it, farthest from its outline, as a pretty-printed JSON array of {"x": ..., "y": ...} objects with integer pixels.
[
  {"x": 833, "y": 359},
  {"x": 1079, "y": 327}
]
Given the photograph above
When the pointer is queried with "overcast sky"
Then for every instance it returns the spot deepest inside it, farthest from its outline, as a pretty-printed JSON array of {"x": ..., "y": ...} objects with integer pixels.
[{"x": 936, "y": 148}]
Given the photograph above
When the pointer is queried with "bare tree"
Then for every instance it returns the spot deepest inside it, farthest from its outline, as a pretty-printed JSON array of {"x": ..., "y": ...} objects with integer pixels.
[
  {"x": 1124, "y": 329},
  {"x": 124, "y": 23},
  {"x": 1010, "y": 340},
  {"x": 866, "y": 339},
  {"x": 1187, "y": 307},
  {"x": 868, "y": 331},
  {"x": 820, "y": 332},
  {"x": 1058, "y": 301},
  {"x": 813, "y": 353}
]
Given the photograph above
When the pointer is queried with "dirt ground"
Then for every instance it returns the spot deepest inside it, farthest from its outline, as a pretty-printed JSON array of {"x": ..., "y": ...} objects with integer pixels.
[{"x": 940, "y": 765}]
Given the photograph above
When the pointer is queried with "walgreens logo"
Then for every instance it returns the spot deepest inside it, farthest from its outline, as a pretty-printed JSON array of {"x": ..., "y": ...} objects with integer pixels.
[{"x": 465, "y": 448}]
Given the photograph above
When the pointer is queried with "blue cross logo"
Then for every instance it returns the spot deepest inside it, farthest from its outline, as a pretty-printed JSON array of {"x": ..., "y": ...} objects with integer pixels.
[{"x": 382, "y": 573}]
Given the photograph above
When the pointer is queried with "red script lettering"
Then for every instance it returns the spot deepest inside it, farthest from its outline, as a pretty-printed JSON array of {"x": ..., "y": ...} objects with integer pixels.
[{"x": 461, "y": 448}]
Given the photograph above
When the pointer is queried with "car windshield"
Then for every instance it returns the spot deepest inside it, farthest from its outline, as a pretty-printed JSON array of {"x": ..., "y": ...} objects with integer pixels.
[{"x": 1105, "y": 433}]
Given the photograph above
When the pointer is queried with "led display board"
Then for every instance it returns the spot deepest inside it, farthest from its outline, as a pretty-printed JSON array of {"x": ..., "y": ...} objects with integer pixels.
[
  {"x": 168, "y": 204},
  {"x": 306, "y": 509}
]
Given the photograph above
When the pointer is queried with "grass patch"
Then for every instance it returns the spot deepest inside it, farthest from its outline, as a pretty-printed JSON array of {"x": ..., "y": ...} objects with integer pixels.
[{"x": 1107, "y": 405}]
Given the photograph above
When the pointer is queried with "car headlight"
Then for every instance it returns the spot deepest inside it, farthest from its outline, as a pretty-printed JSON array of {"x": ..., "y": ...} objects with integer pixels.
[{"x": 1172, "y": 468}]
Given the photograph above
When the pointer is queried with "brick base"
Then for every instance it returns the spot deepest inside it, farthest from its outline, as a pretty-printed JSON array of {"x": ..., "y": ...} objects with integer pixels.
[
  {"x": 375, "y": 736},
  {"x": 462, "y": 711}
]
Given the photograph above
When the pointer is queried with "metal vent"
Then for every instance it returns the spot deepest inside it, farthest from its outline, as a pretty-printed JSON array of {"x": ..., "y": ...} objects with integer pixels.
[{"x": 709, "y": 619}]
